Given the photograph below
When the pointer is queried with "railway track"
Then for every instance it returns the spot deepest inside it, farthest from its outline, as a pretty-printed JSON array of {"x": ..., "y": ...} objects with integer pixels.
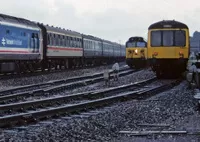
[
  {"x": 21, "y": 92},
  {"x": 6, "y": 76},
  {"x": 36, "y": 110}
]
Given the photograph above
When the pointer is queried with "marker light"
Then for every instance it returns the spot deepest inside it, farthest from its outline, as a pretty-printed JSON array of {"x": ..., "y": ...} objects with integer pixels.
[
  {"x": 155, "y": 54},
  {"x": 136, "y": 51},
  {"x": 181, "y": 54}
]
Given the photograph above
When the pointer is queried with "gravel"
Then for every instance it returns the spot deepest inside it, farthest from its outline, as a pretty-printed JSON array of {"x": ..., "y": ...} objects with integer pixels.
[
  {"x": 175, "y": 107},
  {"x": 5, "y": 84}
]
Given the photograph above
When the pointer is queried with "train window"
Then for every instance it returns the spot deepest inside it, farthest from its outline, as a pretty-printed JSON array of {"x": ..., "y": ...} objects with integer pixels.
[
  {"x": 54, "y": 39},
  {"x": 141, "y": 44},
  {"x": 156, "y": 38},
  {"x": 79, "y": 41},
  {"x": 36, "y": 42},
  {"x": 75, "y": 42},
  {"x": 68, "y": 41},
  {"x": 63, "y": 41},
  {"x": 180, "y": 39},
  {"x": 168, "y": 38},
  {"x": 60, "y": 40},
  {"x": 71, "y": 42},
  {"x": 7, "y": 31},
  {"x": 48, "y": 39}
]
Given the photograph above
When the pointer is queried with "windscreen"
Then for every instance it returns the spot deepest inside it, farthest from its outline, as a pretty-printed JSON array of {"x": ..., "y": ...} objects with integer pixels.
[{"x": 168, "y": 38}]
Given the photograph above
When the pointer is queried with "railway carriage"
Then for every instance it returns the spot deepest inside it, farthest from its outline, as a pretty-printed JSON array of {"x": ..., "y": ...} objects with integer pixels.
[
  {"x": 136, "y": 52},
  {"x": 116, "y": 50},
  {"x": 29, "y": 46},
  {"x": 108, "y": 51},
  {"x": 93, "y": 49},
  {"x": 122, "y": 52},
  {"x": 61, "y": 47},
  {"x": 21, "y": 44},
  {"x": 168, "y": 47}
]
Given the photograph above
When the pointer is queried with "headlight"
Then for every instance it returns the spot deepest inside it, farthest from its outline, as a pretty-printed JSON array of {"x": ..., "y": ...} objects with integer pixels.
[{"x": 136, "y": 51}]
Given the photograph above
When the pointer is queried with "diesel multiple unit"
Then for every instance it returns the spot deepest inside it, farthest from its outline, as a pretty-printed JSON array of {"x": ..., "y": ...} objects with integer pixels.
[{"x": 168, "y": 47}]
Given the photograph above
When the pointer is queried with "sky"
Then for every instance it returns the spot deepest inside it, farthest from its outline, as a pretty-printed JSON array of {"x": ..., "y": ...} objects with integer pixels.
[{"x": 114, "y": 20}]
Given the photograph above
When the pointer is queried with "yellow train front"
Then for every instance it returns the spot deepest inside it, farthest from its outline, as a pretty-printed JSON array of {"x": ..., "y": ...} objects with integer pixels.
[
  {"x": 168, "y": 47},
  {"x": 136, "y": 52}
]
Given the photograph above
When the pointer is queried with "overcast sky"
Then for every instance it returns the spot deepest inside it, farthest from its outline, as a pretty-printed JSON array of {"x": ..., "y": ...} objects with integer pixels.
[{"x": 114, "y": 20}]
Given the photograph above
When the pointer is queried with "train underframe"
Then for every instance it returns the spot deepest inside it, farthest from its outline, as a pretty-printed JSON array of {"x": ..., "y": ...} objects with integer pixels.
[
  {"x": 167, "y": 68},
  {"x": 136, "y": 63},
  {"x": 22, "y": 66}
]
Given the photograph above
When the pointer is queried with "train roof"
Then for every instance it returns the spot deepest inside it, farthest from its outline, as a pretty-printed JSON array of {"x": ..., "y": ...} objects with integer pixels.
[
  {"x": 136, "y": 38},
  {"x": 61, "y": 30},
  {"x": 16, "y": 20},
  {"x": 167, "y": 24},
  {"x": 91, "y": 37}
]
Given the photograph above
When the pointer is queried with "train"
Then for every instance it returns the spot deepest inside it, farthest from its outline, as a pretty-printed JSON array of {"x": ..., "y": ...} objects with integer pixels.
[
  {"x": 27, "y": 46},
  {"x": 168, "y": 47},
  {"x": 136, "y": 52}
]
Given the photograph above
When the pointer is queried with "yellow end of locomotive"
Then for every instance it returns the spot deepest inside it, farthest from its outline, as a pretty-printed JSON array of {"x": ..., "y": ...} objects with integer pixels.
[{"x": 136, "y": 52}]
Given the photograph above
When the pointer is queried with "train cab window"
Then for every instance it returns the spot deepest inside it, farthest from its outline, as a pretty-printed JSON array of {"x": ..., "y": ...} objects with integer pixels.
[
  {"x": 156, "y": 38},
  {"x": 131, "y": 44},
  {"x": 168, "y": 38},
  {"x": 180, "y": 38},
  {"x": 140, "y": 44}
]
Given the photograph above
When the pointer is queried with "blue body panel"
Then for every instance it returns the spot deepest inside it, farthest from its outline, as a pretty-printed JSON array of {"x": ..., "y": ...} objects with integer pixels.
[
  {"x": 18, "y": 43},
  {"x": 15, "y": 37}
]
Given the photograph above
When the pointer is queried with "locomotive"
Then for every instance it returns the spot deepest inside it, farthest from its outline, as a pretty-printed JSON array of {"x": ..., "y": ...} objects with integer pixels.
[
  {"x": 28, "y": 46},
  {"x": 136, "y": 52}
]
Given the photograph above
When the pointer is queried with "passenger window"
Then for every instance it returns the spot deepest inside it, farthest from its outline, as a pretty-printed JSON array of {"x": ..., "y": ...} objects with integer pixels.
[
  {"x": 59, "y": 42},
  {"x": 67, "y": 41},
  {"x": 75, "y": 42},
  {"x": 71, "y": 42},
  {"x": 54, "y": 39},
  {"x": 48, "y": 39},
  {"x": 64, "y": 43}
]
